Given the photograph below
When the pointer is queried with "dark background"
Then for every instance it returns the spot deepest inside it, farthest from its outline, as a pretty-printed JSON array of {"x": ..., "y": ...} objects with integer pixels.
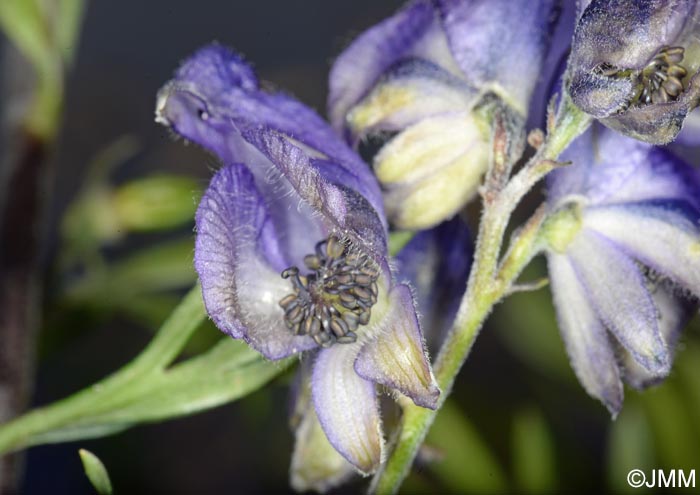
[{"x": 127, "y": 50}]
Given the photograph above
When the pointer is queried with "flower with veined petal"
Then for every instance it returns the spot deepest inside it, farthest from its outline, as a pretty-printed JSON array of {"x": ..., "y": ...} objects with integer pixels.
[
  {"x": 635, "y": 65},
  {"x": 431, "y": 73},
  {"x": 624, "y": 257},
  {"x": 291, "y": 248}
]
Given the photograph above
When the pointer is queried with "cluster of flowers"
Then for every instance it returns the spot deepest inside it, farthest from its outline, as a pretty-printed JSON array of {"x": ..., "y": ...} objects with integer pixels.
[{"x": 292, "y": 232}]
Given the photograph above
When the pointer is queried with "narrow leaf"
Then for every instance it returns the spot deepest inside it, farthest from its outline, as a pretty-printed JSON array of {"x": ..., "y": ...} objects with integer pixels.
[{"x": 96, "y": 472}]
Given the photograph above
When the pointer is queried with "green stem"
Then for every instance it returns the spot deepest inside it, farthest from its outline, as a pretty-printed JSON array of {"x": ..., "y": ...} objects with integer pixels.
[
  {"x": 27, "y": 430},
  {"x": 487, "y": 286}
]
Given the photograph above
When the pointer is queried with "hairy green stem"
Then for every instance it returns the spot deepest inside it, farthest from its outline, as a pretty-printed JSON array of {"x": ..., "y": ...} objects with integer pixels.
[{"x": 488, "y": 283}]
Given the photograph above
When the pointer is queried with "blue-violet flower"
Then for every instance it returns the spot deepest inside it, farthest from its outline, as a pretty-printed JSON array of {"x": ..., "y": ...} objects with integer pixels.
[
  {"x": 634, "y": 65},
  {"x": 624, "y": 259},
  {"x": 431, "y": 73},
  {"x": 291, "y": 249}
]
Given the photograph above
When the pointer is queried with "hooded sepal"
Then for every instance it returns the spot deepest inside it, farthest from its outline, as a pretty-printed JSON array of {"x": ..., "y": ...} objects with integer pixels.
[{"x": 241, "y": 291}]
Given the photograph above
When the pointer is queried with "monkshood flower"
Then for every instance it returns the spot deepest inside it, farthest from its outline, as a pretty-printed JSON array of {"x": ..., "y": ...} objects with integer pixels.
[
  {"x": 430, "y": 73},
  {"x": 291, "y": 249},
  {"x": 624, "y": 259},
  {"x": 436, "y": 263},
  {"x": 634, "y": 65}
]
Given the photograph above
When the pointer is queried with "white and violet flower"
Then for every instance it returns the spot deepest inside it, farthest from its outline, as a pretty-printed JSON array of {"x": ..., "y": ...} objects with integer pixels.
[
  {"x": 634, "y": 65},
  {"x": 624, "y": 259},
  {"x": 291, "y": 249},
  {"x": 429, "y": 74}
]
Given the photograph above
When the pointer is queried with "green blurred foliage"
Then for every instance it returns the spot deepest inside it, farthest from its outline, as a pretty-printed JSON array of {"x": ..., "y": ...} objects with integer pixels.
[{"x": 96, "y": 472}]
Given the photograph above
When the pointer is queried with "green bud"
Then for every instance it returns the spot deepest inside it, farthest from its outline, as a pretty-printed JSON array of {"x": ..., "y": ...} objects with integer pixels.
[
  {"x": 562, "y": 226},
  {"x": 96, "y": 472},
  {"x": 432, "y": 169},
  {"x": 156, "y": 203}
]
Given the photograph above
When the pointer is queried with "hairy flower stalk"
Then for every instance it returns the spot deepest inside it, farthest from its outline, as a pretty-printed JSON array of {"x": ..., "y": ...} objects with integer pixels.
[
  {"x": 490, "y": 279},
  {"x": 430, "y": 77},
  {"x": 291, "y": 251}
]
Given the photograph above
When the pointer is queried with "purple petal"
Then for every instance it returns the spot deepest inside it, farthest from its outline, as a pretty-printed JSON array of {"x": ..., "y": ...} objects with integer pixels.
[
  {"x": 500, "y": 43},
  {"x": 690, "y": 135},
  {"x": 616, "y": 290},
  {"x": 373, "y": 52},
  {"x": 396, "y": 356},
  {"x": 346, "y": 406},
  {"x": 663, "y": 238},
  {"x": 587, "y": 342},
  {"x": 657, "y": 123},
  {"x": 214, "y": 97},
  {"x": 674, "y": 313},
  {"x": 611, "y": 168},
  {"x": 340, "y": 208},
  {"x": 436, "y": 263},
  {"x": 241, "y": 291}
]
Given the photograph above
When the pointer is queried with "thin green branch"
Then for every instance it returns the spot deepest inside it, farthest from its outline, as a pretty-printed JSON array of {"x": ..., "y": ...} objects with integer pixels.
[{"x": 488, "y": 284}]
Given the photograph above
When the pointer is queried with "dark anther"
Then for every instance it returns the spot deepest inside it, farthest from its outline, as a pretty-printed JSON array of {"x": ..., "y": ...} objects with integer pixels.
[
  {"x": 660, "y": 81},
  {"x": 331, "y": 302}
]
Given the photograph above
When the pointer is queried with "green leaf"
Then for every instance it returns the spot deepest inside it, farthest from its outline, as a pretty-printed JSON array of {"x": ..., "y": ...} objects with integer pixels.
[
  {"x": 468, "y": 465},
  {"x": 533, "y": 453},
  {"x": 163, "y": 267},
  {"x": 24, "y": 24},
  {"x": 70, "y": 18},
  {"x": 149, "y": 389},
  {"x": 96, "y": 472}
]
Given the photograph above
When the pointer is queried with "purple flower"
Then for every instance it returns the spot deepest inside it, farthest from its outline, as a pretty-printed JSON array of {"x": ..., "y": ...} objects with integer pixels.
[
  {"x": 291, "y": 248},
  {"x": 634, "y": 65},
  {"x": 430, "y": 73},
  {"x": 624, "y": 250}
]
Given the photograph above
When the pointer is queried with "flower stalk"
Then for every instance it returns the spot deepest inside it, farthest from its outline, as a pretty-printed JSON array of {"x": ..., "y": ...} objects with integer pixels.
[{"x": 489, "y": 281}]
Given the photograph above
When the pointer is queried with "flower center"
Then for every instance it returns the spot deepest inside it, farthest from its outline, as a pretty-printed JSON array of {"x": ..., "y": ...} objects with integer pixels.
[
  {"x": 660, "y": 81},
  {"x": 331, "y": 302}
]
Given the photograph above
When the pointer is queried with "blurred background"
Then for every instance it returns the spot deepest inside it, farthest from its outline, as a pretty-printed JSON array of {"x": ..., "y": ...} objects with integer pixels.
[{"x": 116, "y": 257}]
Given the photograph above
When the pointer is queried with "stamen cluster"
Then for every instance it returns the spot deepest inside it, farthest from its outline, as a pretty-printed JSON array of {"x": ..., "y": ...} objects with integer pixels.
[{"x": 330, "y": 303}]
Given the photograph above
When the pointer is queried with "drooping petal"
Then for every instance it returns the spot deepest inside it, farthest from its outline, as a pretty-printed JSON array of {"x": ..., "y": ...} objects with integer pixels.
[
  {"x": 500, "y": 44},
  {"x": 616, "y": 290},
  {"x": 316, "y": 465},
  {"x": 690, "y": 135},
  {"x": 241, "y": 291},
  {"x": 662, "y": 237},
  {"x": 587, "y": 342},
  {"x": 360, "y": 65},
  {"x": 436, "y": 263},
  {"x": 432, "y": 169},
  {"x": 674, "y": 313},
  {"x": 396, "y": 356},
  {"x": 346, "y": 406}
]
